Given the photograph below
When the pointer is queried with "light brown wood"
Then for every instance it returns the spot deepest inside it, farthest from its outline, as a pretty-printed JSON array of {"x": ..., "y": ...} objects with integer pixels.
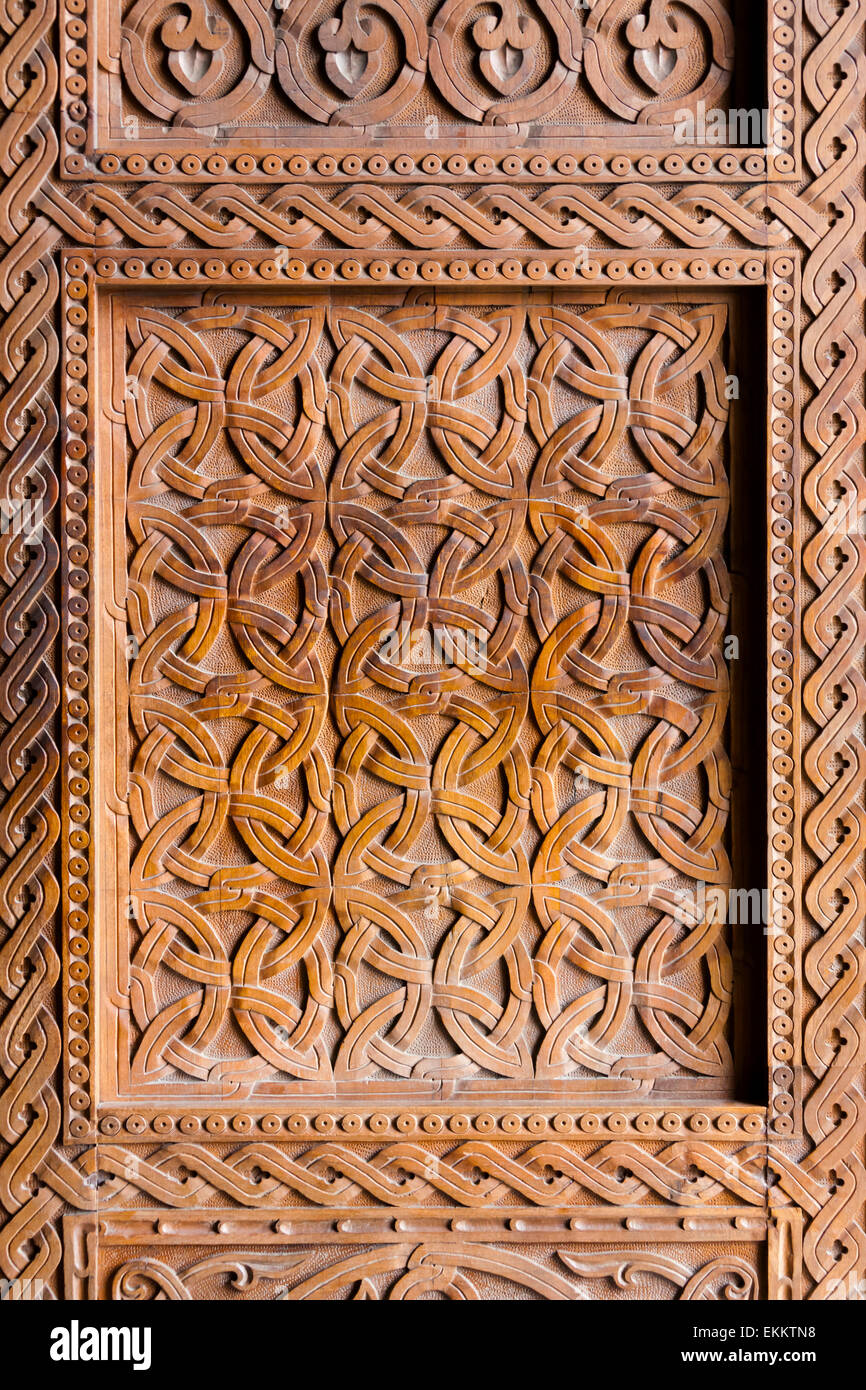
[{"x": 448, "y": 603}]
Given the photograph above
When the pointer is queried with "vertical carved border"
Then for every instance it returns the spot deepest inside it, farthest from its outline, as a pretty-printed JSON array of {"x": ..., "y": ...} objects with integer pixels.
[
  {"x": 29, "y": 691},
  {"x": 830, "y": 1182},
  {"x": 76, "y": 800},
  {"x": 784, "y": 928}
]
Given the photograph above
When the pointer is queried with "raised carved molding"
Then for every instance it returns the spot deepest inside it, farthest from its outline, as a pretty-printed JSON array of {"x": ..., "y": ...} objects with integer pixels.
[
  {"x": 457, "y": 88},
  {"x": 272, "y": 1258}
]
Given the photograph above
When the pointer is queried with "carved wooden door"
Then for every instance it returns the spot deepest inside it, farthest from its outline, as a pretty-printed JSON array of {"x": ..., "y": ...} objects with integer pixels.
[{"x": 432, "y": 673}]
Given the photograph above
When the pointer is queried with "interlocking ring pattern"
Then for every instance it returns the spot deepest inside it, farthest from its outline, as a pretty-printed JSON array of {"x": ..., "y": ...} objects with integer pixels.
[{"x": 427, "y": 691}]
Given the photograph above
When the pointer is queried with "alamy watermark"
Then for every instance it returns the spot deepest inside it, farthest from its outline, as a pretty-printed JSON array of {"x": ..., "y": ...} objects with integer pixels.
[
  {"x": 408, "y": 646},
  {"x": 735, "y": 907},
  {"x": 751, "y": 126},
  {"x": 23, "y": 1290},
  {"x": 22, "y": 517},
  {"x": 77, "y": 1343}
]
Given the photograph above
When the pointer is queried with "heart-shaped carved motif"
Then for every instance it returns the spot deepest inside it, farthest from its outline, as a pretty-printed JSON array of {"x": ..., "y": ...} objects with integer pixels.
[
  {"x": 660, "y": 43},
  {"x": 507, "y": 57},
  {"x": 195, "y": 48},
  {"x": 354, "y": 46},
  {"x": 658, "y": 66},
  {"x": 352, "y": 71},
  {"x": 507, "y": 68}
]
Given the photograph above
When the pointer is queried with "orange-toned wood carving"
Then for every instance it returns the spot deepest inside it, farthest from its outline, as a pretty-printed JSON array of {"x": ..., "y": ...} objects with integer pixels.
[
  {"x": 511, "y": 569},
  {"x": 432, "y": 557}
]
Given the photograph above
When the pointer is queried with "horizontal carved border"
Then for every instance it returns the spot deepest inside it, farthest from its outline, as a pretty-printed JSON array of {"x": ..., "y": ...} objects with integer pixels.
[
  {"x": 680, "y": 1181},
  {"x": 307, "y": 1257},
  {"x": 141, "y": 1122},
  {"x": 468, "y": 270},
  {"x": 90, "y": 64},
  {"x": 693, "y": 225}
]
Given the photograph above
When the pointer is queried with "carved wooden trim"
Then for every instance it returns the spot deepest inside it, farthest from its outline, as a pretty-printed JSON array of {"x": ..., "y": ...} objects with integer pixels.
[
  {"x": 369, "y": 1259},
  {"x": 308, "y": 1107},
  {"x": 129, "y": 103}
]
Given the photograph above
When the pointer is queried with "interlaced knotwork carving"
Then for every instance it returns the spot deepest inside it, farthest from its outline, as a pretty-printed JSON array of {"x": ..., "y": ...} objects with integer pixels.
[
  {"x": 227, "y": 693},
  {"x": 528, "y": 952},
  {"x": 464, "y": 442},
  {"x": 643, "y": 549}
]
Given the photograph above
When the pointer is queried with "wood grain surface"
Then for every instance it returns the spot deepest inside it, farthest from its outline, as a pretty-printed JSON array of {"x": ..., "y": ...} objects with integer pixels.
[{"x": 431, "y": 577}]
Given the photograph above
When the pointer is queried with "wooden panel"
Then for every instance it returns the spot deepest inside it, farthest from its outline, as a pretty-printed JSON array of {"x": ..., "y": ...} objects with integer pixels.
[
  {"x": 515, "y": 718},
  {"x": 331, "y": 330},
  {"x": 123, "y": 1262}
]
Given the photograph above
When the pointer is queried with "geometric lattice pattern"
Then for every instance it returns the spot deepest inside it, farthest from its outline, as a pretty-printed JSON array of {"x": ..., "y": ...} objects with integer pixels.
[
  {"x": 466, "y": 839},
  {"x": 365, "y": 736}
]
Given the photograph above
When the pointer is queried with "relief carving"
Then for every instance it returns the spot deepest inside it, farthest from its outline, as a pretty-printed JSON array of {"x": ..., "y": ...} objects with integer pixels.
[
  {"x": 514, "y": 519},
  {"x": 363, "y": 63},
  {"x": 335, "y": 401}
]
